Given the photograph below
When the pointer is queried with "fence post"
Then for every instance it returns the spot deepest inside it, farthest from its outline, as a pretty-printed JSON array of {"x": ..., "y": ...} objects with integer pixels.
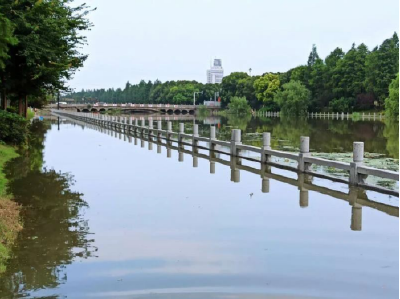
[
  {"x": 180, "y": 156},
  {"x": 136, "y": 127},
  {"x": 266, "y": 146},
  {"x": 195, "y": 142},
  {"x": 169, "y": 130},
  {"x": 143, "y": 122},
  {"x": 358, "y": 158},
  {"x": 181, "y": 131},
  {"x": 235, "y": 172},
  {"x": 212, "y": 137},
  {"x": 151, "y": 128},
  {"x": 159, "y": 129},
  {"x": 304, "y": 152},
  {"x": 356, "y": 209},
  {"x": 235, "y": 140}
]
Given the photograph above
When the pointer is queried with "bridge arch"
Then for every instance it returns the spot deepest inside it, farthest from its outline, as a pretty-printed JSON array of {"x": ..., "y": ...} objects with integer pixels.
[
  {"x": 177, "y": 111},
  {"x": 170, "y": 111},
  {"x": 85, "y": 110},
  {"x": 191, "y": 112},
  {"x": 184, "y": 111},
  {"x": 93, "y": 110}
]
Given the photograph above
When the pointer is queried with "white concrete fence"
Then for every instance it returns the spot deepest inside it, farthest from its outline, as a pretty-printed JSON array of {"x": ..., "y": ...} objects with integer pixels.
[
  {"x": 328, "y": 115},
  {"x": 357, "y": 171}
]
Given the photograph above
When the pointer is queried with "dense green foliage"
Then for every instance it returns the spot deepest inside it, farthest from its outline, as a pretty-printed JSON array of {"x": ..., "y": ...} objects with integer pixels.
[
  {"x": 266, "y": 87},
  {"x": 173, "y": 92},
  {"x": 293, "y": 99},
  {"x": 392, "y": 102},
  {"x": 341, "y": 105},
  {"x": 6, "y": 39},
  {"x": 344, "y": 81},
  {"x": 239, "y": 105},
  {"x": 39, "y": 47},
  {"x": 13, "y": 128}
]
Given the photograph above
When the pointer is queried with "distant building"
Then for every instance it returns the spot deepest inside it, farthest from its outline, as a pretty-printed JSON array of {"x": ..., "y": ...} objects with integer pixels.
[{"x": 216, "y": 72}]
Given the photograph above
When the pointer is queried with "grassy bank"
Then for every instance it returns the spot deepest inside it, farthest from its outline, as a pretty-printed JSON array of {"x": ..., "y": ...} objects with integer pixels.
[{"x": 9, "y": 211}]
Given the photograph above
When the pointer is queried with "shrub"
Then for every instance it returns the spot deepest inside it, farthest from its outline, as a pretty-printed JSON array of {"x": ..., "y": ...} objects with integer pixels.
[
  {"x": 12, "y": 109},
  {"x": 392, "y": 102},
  {"x": 239, "y": 105},
  {"x": 13, "y": 128},
  {"x": 203, "y": 111},
  {"x": 342, "y": 105},
  {"x": 294, "y": 99}
]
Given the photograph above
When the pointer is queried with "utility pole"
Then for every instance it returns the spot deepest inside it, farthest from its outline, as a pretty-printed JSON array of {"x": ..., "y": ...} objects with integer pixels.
[{"x": 194, "y": 97}]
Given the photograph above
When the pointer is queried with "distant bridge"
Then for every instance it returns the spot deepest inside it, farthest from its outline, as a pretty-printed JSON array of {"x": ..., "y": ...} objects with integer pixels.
[{"x": 144, "y": 108}]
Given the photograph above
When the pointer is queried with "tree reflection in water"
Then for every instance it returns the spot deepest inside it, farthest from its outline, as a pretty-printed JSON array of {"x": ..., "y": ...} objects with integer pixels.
[{"x": 55, "y": 232}]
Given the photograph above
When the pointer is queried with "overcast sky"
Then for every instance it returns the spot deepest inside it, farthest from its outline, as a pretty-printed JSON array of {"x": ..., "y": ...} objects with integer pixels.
[{"x": 176, "y": 39}]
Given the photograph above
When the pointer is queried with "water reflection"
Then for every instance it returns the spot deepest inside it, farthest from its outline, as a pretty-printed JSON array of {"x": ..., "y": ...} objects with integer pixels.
[
  {"x": 55, "y": 232},
  {"x": 356, "y": 196},
  {"x": 326, "y": 135},
  {"x": 163, "y": 227}
]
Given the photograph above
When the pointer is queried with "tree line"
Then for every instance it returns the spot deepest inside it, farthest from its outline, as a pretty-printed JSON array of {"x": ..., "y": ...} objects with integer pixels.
[
  {"x": 176, "y": 92},
  {"x": 40, "y": 45},
  {"x": 342, "y": 82},
  {"x": 358, "y": 79}
]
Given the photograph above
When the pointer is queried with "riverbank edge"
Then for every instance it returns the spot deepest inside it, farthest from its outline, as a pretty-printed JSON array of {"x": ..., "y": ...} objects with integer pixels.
[{"x": 10, "y": 223}]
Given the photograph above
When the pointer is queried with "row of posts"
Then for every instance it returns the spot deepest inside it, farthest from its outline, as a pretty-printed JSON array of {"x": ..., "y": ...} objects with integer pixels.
[
  {"x": 235, "y": 142},
  {"x": 342, "y": 115},
  {"x": 303, "y": 179},
  {"x": 358, "y": 154},
  {"x": 324, "y": 115}
]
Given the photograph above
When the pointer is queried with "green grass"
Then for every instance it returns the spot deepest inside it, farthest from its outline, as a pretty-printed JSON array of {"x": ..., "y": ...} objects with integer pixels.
[
  {"x": 6, "y": 153},
  {"x": 9, "y": 211},
  {"x": 30, "y": 114}
]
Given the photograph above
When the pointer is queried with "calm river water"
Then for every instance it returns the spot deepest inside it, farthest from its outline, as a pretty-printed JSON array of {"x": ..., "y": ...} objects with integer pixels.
[{"x": 108, "y": 218}]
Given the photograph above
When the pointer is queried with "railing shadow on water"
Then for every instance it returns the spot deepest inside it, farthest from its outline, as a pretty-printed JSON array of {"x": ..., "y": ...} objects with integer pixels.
[
  {"x": 356, "y": 196},
  {"x": 357, "y": 171}
]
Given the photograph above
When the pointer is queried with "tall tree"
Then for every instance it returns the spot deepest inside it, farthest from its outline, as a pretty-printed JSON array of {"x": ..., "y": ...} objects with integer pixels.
[
  {"x": 266, "y": 88},
  {"x": 294, "y": 99},
  {"x": 381, "y": 67},
  {"x": 6, "y": 39},
  {"x": 313, "y": 57},
  {"x": 349, "y": 74},
  {"x": 392, "y": 102},
  {"x": 47, "y": 53},
  {"x": 229, "y": 86}
]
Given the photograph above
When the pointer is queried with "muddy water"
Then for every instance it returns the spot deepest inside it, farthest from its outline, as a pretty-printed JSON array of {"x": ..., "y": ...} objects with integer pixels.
[{"x": 106, "y": 218}]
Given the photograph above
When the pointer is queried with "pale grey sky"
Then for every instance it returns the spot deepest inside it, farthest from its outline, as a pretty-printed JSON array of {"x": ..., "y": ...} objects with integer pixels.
[{"x": 176, "y": 39}]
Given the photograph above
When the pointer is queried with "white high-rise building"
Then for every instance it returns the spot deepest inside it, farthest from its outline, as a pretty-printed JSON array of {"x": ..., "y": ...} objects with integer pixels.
[{"x": 216, "y": 72}]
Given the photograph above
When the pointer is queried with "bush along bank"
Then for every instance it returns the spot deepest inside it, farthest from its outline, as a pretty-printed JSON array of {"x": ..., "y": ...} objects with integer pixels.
[
  {"x": 9, "y": 210},
  {"x": 13, "y": 134},
  {"x": 13, "y": 128}
]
